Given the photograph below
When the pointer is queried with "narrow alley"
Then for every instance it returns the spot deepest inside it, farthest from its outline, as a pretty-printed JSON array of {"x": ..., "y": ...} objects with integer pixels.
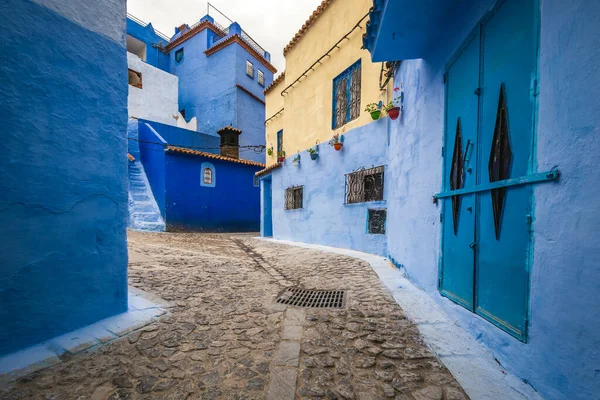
[{"x": 226, "y": 337}]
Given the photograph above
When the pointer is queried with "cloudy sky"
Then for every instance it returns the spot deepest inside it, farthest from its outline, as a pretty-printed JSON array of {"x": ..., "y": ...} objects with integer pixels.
[{"x": 272, "y": 23}]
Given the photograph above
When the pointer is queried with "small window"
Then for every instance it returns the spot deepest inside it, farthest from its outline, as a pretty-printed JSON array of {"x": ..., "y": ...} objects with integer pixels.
[
  {"x": 135, "y": 78},
  {"x": 207, "y": 175},
  {"x": 279, "y": 142},
  {"x": 364, "y": 185},
  {"x": 249, "y": 69},
  {"x": 179, "y": 55},
  {"x": 346, "y": 95},
  {"x": 261, "y": 78},
  {"x": 376, "y": 221},
  {"x": 293, "y": 197}
]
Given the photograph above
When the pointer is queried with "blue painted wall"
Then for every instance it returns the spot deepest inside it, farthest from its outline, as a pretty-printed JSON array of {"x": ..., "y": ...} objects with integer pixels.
[
  {"x": 63, "y": 173},
  {"x": 174, "y": 136},
  {"x": 207, "y": 89},
  {"x": 562, "y": 355},
  {"x": 154, "y": 56},
  {"x": 192, "y": 207},
  {"x": 152, "y": 154},
  {"x": 325, "y": 219}
]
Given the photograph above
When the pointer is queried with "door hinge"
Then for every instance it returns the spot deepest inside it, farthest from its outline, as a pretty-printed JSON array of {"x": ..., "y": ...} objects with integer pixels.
[
  {"x": 535, "y": 89},
  {"x": 439, "y": 282},
  {"x": 528, "y": 219},
  {"x": 477, "y": 91},
  {"x": 441, "y": 217}
]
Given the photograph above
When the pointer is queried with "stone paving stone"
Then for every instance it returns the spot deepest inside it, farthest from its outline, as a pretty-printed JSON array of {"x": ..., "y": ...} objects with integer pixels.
[{"x": 225, "y": 338}]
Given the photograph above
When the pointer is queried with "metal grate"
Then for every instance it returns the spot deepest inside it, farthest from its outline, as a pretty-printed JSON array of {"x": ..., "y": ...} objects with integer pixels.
[{"x": 313, "y": 298}]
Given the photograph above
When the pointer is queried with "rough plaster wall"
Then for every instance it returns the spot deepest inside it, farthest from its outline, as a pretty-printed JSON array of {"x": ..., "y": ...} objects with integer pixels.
[
  {"x": 157, "y": 100},
  {"x": 325, "y": 219},
  {"x": 63, "y": 175},
  {"x": 562, "y": 357},
  {"x": 251, "y": 120}
]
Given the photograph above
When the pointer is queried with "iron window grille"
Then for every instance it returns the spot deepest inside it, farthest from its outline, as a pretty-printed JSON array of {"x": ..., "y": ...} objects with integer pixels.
[
  {"x": 261, "y": 78},
  {"x": 293, "y": 197},
  {"x": 376, "y": 221},
  {"x": 249, "y": 69},
  {"x": 208, "y": 176},
  {"x": 365, "y": 184},
  {"x": 346, "y": 95}
]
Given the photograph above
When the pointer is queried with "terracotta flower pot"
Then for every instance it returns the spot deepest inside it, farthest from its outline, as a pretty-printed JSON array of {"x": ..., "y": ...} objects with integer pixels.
[
  {"x": 393, "y": 113},
  {"x": 338, "y": 146},
  {"x": 281, "y": 159},
  {"x": 375, "y": 114}
]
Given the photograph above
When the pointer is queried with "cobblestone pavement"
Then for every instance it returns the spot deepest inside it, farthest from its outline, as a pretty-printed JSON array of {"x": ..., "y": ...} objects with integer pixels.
[{"x": 226, "y": 338}]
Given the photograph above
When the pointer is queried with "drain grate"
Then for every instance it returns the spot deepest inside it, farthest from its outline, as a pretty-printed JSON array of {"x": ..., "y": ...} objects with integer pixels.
[{"x": 313, "y": 298}]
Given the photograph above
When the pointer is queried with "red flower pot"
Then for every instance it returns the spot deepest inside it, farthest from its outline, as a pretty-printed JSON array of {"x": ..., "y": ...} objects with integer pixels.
[
  {"x": 394, "y": 113},
  {"x": 281, "y": 159},
  {"x": 338, "y": 146}
]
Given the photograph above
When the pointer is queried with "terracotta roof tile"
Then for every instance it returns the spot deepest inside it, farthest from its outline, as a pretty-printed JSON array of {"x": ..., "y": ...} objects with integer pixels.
[
  {"x": 238, "y": 39},
  {"x": 268, "y": 169},
  {"x": 229, "y": 128},
  {"x": 211, "y": 155},
  {"x": 275, "y": 82},
  {"x": 311, "y": 20},
  {"x": 193, "y": 32}
]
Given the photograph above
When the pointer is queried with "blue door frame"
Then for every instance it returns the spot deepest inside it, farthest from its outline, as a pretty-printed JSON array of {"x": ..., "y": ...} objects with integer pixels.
[
  {"x": 267, "y": 207},
  {"x": 489, "y": 138}
]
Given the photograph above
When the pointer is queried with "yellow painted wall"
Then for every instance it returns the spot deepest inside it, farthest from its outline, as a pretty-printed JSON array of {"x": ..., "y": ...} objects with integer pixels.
[
  {"x": 274, "y": 102},
  {"x": 308, "y": 105}
]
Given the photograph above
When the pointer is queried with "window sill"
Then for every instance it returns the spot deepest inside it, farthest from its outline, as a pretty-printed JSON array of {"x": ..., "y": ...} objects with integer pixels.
[{"x": 375, "y": 203}]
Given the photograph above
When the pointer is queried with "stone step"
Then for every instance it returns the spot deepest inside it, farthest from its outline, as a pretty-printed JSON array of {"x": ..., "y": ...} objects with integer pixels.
[
  {"x": 146, "y": 216},
  {"x": 140, "y": 197},
  {"x": 151, "y": 226}
]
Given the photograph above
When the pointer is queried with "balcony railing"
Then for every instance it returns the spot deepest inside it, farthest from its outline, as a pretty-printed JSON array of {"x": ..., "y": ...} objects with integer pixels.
[{"x": 139, "y": 21}]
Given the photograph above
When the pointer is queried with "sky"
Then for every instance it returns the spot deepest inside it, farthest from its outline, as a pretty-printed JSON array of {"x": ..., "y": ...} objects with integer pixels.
[{"x": 271, "y": 23}]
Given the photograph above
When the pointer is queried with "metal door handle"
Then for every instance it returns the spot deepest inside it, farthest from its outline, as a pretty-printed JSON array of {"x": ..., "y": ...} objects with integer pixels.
[
  {"x": 473, "y": 245},
  {"x": 467, "y": 159}
]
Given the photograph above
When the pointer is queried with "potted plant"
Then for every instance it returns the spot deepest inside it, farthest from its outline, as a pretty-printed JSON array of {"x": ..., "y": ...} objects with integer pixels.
[
  {"x": 314, "y": 154},
  {"x": 395, "y": 106},
  {"x": 281, "y": 156},
  {"x": 374, "y": 109},
  {"x": 337, "y": 142},
  {"x": 296, "y": 161},
  {"x": 270, "y": 151}
]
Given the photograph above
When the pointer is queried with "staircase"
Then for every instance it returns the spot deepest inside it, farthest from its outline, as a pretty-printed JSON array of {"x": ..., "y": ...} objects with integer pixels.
[{"x": 144, "y": 214}]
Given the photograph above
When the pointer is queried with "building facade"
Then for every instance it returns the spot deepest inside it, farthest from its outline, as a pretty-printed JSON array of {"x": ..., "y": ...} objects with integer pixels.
[
  {"x": 497, "y": 135},
  {"x": 63, "y": 208},
  {"x": 324, "y": 91}
]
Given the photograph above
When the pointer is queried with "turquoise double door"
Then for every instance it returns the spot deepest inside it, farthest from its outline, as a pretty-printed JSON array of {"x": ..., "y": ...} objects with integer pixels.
[{"x": 490, "y": 123}]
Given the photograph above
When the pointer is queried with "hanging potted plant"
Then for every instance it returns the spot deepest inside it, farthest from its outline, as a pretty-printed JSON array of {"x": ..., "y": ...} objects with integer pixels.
[
  {"x": 314, "y": 154},
  {"x": 281, "y": 156},
  {"x": 374, "y": 109},
  {"x": 296, "y": 160},
  {"x": 395, "y": 106},
  {"x": 270, "y": 151},
  {"x": 337, "y": 142}
]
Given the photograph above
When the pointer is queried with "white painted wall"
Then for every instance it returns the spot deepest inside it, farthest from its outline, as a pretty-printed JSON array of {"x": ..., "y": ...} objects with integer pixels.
[{"x": 157, "y": 100}]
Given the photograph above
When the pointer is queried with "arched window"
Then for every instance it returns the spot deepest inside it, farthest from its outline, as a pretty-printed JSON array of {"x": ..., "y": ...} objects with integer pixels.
[{"x": 208, "y": 175}]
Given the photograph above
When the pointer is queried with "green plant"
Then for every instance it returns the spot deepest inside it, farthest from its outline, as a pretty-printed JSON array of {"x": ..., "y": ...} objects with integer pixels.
[
  {"x": 312, "y": 150},
  {"x": 396, "y": 101},
  {"x": 281, "y": 153},
  {"x": 335, "y": 139},
  {"x": 372, "y": 107},
  {"x": 270, "y": 151}
]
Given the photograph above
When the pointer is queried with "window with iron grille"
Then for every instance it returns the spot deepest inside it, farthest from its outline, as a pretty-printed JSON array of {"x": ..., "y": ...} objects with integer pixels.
[
  {"x": 261, "y": 78},
  {"x": 249, "y": 69},
  {"x": 376, "y": 221},
  {"x": 346, "y": 95},
  {"x": 364, "y": 184},
  {"x": 293, "y": 197}
]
